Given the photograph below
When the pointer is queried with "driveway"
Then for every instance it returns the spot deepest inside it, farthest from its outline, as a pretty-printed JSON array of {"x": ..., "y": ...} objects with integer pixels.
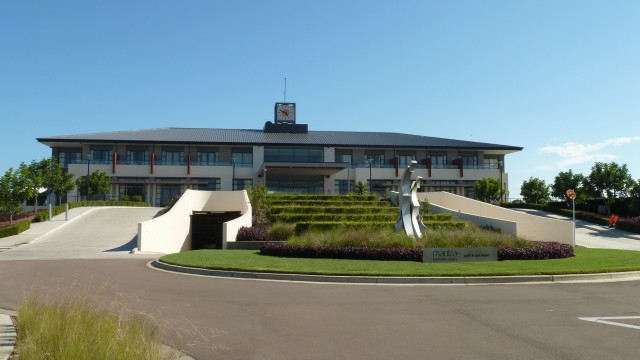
[{"x": 101, "y": 232}]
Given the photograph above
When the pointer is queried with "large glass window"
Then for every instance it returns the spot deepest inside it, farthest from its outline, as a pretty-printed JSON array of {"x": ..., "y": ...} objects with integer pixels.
[
  {"x": 344, "y": 156},
  {"x": 137, "y": 156},
  {"x": 209, "y": 184},
  {"x": 240, "y": 184},
  {"x": 377, "y": 158},
  {"x": 344, "y": 187},
  {"x": 67, "y": 157},
  {"x": 405, "y": 158},
  {"x": 293, "y": 185},
  {"x": 291, "y": 154},
  {"x": 491, "y": 163},
  {"x": 242, "y": 157},
  {"x": 470, "y": 160},
  {"x": 172, "y": 156},
  {"x": 100, "y": 155},
  {"x": 207, "y": 157},
  {"x": 132, "y": 192},
  {"x": 438, "y": 160}
]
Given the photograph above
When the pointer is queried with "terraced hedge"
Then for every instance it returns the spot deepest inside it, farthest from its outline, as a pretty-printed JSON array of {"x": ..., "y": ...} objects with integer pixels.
[
  {"x": 283, "y": 197},
  {"x": 354, "y": 216},
  {"x": 279, "y": 209},
  {"x": 330, "y": 225},
  {"x": 345, "y": 202}
]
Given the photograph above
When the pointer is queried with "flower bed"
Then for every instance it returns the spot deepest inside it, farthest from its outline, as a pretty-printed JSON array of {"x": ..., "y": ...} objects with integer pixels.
[{"x": 543, "y": 251}]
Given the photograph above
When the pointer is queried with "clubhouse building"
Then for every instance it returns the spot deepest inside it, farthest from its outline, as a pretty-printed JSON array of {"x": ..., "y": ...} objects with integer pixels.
[{"x": 159, "y": 164}]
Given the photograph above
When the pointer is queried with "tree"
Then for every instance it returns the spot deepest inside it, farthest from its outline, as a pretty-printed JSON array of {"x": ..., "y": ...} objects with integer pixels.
[
  {"x": 55, "y": 179},
  {"x": 12, "y": 192},
  {"x": 488, "y": 190},
  {"x": 31, "y": 176},
  {"x": 609, "y": 181},
  {"x": 360, "y": 188},
  {"x": 96, "y": 183},
  {"x": 535, "y": 191},
  {"x": 565, "y": 181}
]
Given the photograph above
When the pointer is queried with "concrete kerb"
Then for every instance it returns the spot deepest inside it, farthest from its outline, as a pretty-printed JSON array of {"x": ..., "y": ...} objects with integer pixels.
[
  {"x": 7, "y": 334},
  {"x": 387, "y": 280}
]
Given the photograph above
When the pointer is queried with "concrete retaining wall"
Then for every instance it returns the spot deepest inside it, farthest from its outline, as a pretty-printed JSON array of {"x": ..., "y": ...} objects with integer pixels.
[
  {"x": 171, "y": 232},
  {"x": 530, "y": 227}
]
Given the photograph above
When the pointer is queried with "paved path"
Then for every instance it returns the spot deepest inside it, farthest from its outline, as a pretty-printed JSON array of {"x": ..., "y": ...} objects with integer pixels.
[
  {"x": 91, "y": 232},
  {"x": 591, "y": 235}
]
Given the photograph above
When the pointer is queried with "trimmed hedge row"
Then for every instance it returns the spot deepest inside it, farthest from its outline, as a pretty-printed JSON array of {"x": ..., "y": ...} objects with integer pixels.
[
  {"x": 628, "y": 226},
  {"x": 279, "y": 209},
  {"x": 43, "y": 215},
  {"x": 355, "y": 217},
  {"x": 330, "y": 225},
  {"x": 15, "y": 229},
  {"x": 352, "y": 197},
  {"x": 542, "y": 251},
  {"x": 7, "y": 218},
  {"x": 328, "y": 203}
]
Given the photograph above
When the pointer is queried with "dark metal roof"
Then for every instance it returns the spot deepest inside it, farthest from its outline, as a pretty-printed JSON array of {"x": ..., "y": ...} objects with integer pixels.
[{"x": 259, "y": 137}]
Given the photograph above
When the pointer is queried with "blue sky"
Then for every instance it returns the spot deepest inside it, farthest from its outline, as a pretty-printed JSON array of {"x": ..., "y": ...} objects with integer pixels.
[{"x": 559, "y": 78}]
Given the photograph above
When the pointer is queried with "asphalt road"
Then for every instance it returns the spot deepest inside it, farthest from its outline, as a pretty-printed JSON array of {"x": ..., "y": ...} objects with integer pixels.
[{"x": 215, "y": 318}]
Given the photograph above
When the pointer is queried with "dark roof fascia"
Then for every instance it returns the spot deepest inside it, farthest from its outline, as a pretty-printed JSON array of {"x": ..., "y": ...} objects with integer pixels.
[{"x": 161, "y": 142}]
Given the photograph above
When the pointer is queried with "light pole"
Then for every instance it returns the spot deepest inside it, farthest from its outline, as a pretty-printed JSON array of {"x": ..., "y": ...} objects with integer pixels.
[
  {"x": 500, "y": 167},
  {"x": 88, "y": 162},
  {"x": 86, "y": 181},
  {"x": 370, "y": 161}
]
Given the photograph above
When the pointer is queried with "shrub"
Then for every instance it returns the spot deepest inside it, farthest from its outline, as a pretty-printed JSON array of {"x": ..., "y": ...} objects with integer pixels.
[
  {"x": 543, "y": 251},
  {"x": 43, "y": 215},
  {"x": 254, "y": 233},
  {"x": 339, "y": 252},
  {"x": 281, "y": 232},
  {"x": 15, "y": 229}
]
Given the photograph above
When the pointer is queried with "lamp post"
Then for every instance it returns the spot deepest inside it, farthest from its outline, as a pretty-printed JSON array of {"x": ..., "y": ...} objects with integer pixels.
[
  {"x": 370, "y": 161},
  {"x": 500, "y": 168},
  {"x": 89, "y": 156},
  {"x": 86, "y": 182}
]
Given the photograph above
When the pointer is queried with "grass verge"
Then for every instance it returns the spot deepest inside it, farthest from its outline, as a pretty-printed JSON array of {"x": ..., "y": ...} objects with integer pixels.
[
  {"x": 75, "y": 330},
  {"x": 585, "y": 261}
]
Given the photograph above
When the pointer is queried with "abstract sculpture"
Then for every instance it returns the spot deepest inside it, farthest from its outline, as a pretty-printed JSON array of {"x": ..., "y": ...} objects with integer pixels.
[{"x": 409, "y": 217}]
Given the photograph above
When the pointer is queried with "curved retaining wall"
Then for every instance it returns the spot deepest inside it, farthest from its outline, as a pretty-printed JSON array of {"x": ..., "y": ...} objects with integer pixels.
[
  {"x": 527, "y": 226},
  {"x": 171, "y": 232}
]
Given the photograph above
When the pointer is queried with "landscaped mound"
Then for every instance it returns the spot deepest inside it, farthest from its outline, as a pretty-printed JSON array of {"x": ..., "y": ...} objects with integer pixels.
[{"x": 377, "y": 244}]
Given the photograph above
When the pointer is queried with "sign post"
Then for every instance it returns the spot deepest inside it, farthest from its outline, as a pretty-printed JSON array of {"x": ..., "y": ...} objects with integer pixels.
[{"x": 572, "y": 195}]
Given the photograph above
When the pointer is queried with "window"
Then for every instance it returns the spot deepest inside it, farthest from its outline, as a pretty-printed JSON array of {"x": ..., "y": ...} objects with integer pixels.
[
  {"x": 405, "y": 158},
  {"x": 207, "y": 157},
  {"x": 172, "y": 156},
  {"x": 491, "y": 163},
  {"x": 377, "y": 157},
  {"x": 242, "y": 157},
  {"x": 69, "y": 157},
  {"x": 438, "y": 160},
  {"x": 137, "y": 156},
  {"x": 470, "y": 160},
  {"x": 344, "y": 186},
  {"x": 128, "y": 191},
  {"x": 291, "y": 154},
  {"x": 207, "y": 184},
  {"x": 240, "y": 184},
  {"x": 101, "y": 155},
  {"x": 344, "y": 156},
  {"x": 378, "y": 186}
]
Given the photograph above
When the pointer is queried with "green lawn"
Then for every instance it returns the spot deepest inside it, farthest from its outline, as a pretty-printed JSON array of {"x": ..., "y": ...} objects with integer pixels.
[{"x": 585, "y": 261}]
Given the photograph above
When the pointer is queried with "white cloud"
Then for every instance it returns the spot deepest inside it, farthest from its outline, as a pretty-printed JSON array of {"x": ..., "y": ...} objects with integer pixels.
[{"x": 573, "y": 153}]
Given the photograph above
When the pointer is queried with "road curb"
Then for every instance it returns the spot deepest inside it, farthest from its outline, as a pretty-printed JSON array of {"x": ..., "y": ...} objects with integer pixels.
[
  {"x": 7, "y": 334},
  {"x": 387, "y": 280}
]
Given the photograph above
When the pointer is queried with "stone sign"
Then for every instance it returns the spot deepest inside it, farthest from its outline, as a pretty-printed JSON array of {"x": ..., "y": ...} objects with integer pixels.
[{"x": 453, "y": 255}]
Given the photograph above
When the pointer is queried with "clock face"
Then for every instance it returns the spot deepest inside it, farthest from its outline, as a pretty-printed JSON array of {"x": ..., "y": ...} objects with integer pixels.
[{"x": 286, "y": 113}]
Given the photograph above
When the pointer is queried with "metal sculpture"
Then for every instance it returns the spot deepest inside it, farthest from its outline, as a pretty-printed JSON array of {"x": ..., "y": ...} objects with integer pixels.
[{"x": 409, "y": 217}]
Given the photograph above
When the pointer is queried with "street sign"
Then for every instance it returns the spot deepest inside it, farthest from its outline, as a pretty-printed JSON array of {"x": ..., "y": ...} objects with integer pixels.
[{"x": 571, "y": 194}]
